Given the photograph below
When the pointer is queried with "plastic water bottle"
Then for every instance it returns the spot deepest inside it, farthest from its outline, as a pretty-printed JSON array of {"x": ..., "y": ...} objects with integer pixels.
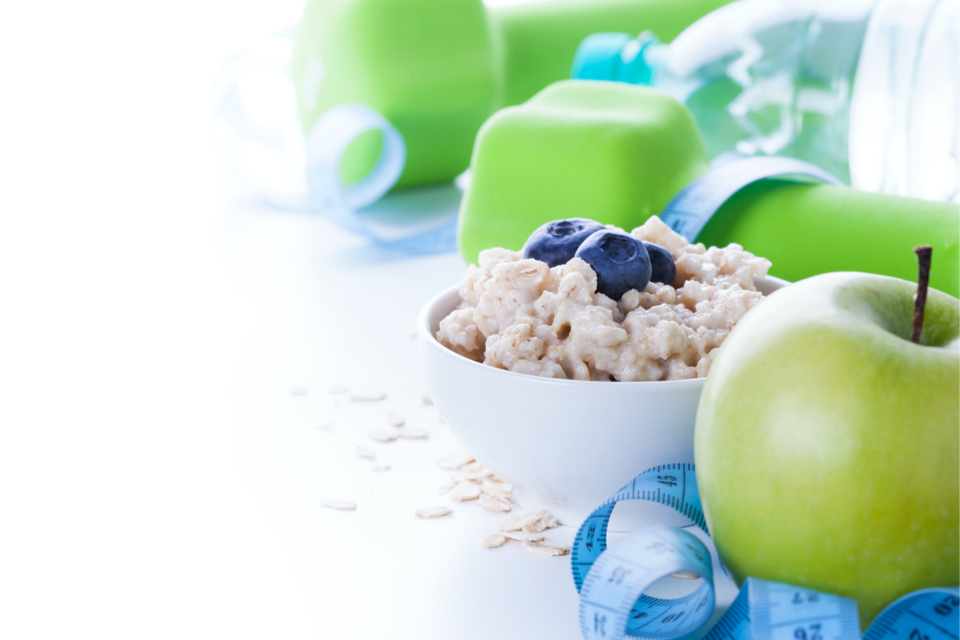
[{"x": 867, "y": 89}]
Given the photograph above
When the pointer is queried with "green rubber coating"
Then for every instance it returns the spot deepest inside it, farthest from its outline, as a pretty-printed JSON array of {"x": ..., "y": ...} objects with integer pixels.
[
  {"x": 806, "y": 229},
  {"x": 537, "y": 40},
  {"x": 609, "y": 151},
  {"x": 427, "y": 66},
  {"x": 437, "y": 69},
  {"x": 618, "y": 153}
]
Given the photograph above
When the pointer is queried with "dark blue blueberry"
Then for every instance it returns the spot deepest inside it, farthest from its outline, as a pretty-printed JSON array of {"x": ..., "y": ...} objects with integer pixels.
[
  {"x": 620, "y": 261},
  {"x": 557, "y": 241},
  {"x": 661, "y": 261}
]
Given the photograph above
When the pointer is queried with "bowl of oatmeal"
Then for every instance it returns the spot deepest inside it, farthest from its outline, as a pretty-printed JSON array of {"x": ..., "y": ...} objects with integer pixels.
[{"x": 568, "y": 394}]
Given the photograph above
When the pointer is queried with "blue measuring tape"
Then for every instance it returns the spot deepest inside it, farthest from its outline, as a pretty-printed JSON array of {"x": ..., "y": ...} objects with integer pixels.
[
  {"x": 690, "y": 210},
  {"x": 267, "y": 151},
  {"x": 344, "y": 205},
  {"x": 611, "y": 582}
]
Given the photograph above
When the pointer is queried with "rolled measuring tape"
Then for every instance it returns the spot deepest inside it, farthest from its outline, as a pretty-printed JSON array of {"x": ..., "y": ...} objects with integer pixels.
[
  {"x": 260, "y": 140},
  {"x": 612, "y": 581},
  {"x": 690, "y": 210},
  {"x": 327, "y": 142}
]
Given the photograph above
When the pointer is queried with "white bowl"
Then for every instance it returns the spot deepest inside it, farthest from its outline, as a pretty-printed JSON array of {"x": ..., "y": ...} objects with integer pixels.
[{"x": 565, "y": 445}]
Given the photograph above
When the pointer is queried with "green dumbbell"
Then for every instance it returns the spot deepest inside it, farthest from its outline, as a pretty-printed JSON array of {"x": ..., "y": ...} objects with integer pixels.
[
  {"x": 618, "y": 153},
  {"x": 436, "y": 69}
]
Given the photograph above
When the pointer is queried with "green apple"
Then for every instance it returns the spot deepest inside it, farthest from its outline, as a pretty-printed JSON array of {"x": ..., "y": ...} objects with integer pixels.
[{"x": 828, "y": 445}]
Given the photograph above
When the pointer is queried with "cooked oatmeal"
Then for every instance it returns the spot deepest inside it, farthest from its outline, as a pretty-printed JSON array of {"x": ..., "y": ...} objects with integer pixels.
[{"x": 519, "y": 314}]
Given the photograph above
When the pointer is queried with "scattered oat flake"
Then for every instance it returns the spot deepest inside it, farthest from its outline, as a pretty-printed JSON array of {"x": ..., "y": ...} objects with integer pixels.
[
  {"x": 522, "y": 536},
  {"x": 496, "y": 488},
  {"x": 513, "y": 523},
  {"x": 493, "y": 541},
  {"x": 455, "y": 460},
  {"x": 338, "y": 389},
  {"x": 476, "y": 471},
  {"x": 298, "y": 390},
  {"x": 433, "y": 512},
  {"x": 447, "y": 486},
  {"x": 440, "y": 418},
  {"x": 342, "y": 505},
  {"x": 427, "y": 399},
  {"x": 535, "y": 525},
  {"x": 685, "y": 575},
  {"x": 547, "y": 548},
  {"x": 367, "y": 396},
  {"x": 413, "y": 433},
  {"x": 500, "y": 480},
  {"x": 382, "y": 435},
  {"x": 395, "y": 419},
  {"x": 363, "y": 452},
  {"x": 465, "y": 491},
  {"x": 495, "y": 503},
  {"x": 381, "y": 467},
  {"x": 537, "y": 522},
  {"x": 550, "y": 522}
]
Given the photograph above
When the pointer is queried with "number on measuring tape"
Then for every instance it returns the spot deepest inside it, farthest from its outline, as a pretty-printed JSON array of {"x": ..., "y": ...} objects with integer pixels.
[
  {"x": 631, "y": 565},
  {"x": 612, "y": 582},
  {"x": 603, "y": 575},
  {"x": 673, "y": 485},
  {"x": 928, "y": 614}
]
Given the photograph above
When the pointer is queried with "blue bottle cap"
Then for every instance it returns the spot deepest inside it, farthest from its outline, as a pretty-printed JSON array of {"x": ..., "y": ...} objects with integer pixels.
[{"x": 615, "y": 57}]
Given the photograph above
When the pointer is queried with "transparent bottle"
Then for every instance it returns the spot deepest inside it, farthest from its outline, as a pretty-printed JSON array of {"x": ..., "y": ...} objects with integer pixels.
[{"x": 867, "y": 89}]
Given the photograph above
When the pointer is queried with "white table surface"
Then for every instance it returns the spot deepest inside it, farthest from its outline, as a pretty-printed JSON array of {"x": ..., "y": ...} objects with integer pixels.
[{"x": 158, "y": 478}]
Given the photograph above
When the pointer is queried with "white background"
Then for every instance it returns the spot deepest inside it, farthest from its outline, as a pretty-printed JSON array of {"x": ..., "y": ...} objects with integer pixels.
[{"x": 157, "y": 477}]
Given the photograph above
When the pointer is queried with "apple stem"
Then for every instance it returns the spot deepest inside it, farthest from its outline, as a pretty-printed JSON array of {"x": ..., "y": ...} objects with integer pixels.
[{"x": 924, "y": 252}]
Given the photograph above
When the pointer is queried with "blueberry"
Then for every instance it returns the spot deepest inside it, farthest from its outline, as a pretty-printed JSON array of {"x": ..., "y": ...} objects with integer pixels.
[
  {"x": 556, "y": 242},
  {"x": 620, "y": 261},
  {"x": 661, "y": 260}
]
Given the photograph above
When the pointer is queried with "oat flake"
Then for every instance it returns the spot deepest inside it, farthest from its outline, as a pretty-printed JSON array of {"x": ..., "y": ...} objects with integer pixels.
[
  {"x": 685, "y": 575},
  {"x": 455, "y": 460},
  {"x": 521, "y": 536},
  {"x": 495, "y": 504},
  {"x": 341, "y": 505},
  {"x": 363, "y": 452},
  {"x": 496, "y": 488},
  {"x": 514, "y": 522},
  {"x": 413, "y": 433},
  {"x": 372, "y": 396},
  {"x": 447, "y": 486},
  {"x": 493, "y": 541},
  {"x": 433, "y": 512},
  {"x": 476, "y": 471},
  {"x": 382, "y": 435},
  {"x": 546, "y": 548},
  {"x": 395, "y": 419},
  {"x": 465, "y": 491}
]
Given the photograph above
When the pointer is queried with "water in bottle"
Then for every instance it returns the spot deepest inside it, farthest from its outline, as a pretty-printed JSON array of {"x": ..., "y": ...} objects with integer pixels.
[{"x": 867, "y": 89}]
